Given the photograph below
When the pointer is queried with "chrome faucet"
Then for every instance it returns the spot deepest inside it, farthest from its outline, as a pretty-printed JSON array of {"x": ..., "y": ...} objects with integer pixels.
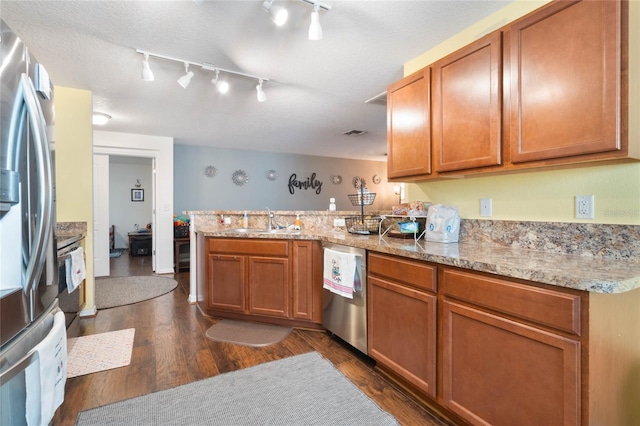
[{"x": 269, "y": 219}]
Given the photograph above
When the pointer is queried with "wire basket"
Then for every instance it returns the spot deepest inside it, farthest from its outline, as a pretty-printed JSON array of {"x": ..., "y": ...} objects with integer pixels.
[
  {"x": 364, "y": 199},
  {"x": 363, "y": 225}
]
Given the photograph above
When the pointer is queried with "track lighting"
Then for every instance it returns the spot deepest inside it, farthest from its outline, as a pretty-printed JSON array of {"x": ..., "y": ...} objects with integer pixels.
[
  {"x": 221, "y": 85},
  {"x": 278, "y": 14},
  {"x": 315, "y": 30},
  {"x": 147, "y": 74},
  {"x": 261, "y": 95},
  {"x": 186, "y": 78}
]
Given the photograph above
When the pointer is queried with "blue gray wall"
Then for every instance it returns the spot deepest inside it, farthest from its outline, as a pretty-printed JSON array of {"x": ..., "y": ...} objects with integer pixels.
[{"x": 193, "y": 190}]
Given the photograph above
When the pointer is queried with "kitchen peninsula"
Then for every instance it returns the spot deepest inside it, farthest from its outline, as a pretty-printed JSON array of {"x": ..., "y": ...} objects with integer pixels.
[{"x": 543, "y": 314}]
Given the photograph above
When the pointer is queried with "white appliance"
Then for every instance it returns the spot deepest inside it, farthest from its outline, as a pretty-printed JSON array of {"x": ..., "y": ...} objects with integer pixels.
[{"x": 29, "y": 283}]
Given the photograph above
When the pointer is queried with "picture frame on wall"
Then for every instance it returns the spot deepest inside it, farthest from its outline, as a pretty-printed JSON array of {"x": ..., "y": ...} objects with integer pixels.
[{"x": 137, "y": 194}]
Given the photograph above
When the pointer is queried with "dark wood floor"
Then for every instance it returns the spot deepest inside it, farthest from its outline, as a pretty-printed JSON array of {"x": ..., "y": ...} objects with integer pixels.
[{"x": 170, "y": 349}]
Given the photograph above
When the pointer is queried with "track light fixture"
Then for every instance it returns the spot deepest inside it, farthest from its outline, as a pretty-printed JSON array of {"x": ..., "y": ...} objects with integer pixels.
[
  {"x": 185, "y": 80},
  {"x": 278, "y": 14},
  {"x": 221, "y": 85},
  {"x": 261, "y": 95},
  {"x": 147, "y": 74},
  {"x": 315, "y": 30}
]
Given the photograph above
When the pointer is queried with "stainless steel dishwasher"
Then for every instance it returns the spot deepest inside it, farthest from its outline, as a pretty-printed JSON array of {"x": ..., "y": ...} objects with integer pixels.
[{"x": 344, "y": 317}]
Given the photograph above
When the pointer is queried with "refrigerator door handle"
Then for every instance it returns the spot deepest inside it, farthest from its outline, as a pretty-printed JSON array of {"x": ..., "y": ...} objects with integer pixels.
[{"x": 45, "y": 207}]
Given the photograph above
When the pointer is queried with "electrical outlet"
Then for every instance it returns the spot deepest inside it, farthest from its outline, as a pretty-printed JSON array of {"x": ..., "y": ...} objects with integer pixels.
[
  {"x": 339, "y": 222},
  {"x": 485, "y": 207},
  {"x": 585, "y": 207}
]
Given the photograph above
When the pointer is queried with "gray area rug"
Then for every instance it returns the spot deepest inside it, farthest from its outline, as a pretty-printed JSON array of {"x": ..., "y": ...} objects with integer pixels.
[
  {"x": 301, "y": 390},
  {"x": 247, "y": 333},
  {"x": 119, "y": 291}
]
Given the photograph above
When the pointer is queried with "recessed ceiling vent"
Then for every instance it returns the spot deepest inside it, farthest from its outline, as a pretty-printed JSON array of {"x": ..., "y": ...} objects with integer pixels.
[{"x": 354, "y": 132}]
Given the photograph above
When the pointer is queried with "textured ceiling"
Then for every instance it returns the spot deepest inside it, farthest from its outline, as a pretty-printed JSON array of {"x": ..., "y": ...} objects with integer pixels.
[{"x": 316, "y": 90}]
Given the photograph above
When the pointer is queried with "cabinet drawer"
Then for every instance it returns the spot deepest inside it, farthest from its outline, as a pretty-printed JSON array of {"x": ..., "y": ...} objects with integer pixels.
[
  {"x": 248, "y": 246},
  {"x": 413, "y": 272},
  {"x": 547, "y": 307}
]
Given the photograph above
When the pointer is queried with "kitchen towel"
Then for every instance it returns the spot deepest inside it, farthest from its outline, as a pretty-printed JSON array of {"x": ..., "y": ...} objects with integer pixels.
[
  {"x": 76, "y": 270},
  {"x": 339, "y": 272},
  {"x": 46, "y": 376}
]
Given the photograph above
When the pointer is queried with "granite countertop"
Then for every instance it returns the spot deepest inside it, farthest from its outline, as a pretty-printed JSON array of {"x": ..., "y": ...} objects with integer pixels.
[
  {"x": 593, "y": 274},
  {"x": 68, "y": 233}
]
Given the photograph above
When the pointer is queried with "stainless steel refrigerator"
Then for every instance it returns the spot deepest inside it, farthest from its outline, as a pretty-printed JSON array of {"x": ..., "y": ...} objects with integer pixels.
[{"x": 28, "y": 263}]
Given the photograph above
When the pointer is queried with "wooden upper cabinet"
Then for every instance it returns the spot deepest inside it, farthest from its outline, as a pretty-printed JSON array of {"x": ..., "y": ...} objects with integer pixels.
[
  {"x": 408, "y": 127},
  {"x": 565, "y": 97},
  {"x": 467, "y": 106}
]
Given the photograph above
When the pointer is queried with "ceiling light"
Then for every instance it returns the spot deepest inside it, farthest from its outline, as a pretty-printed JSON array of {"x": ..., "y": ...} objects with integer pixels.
[
  {"x": 261, "y": 95},
  {"x": 100, "y": 118},
  {"x": 147, "y": 74},
  {"x": 185, "y": 79},
  {"x": 278, "y": 14},
  {"x": 223, "y": 86},
  {"x": 315, "y": 30}
]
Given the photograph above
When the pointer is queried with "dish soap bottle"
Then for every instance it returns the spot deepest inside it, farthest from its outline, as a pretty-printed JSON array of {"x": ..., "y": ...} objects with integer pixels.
[
  {"x": 332, "y": 204},
  {"x": 245, "y": 221},
  {"x": 296, "y": 223}
]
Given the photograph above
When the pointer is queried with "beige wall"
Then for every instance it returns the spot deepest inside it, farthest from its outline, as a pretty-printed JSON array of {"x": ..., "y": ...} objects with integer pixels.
[
  {"x": 74, "y": 169},
  {"x": 548, "y": 195}
]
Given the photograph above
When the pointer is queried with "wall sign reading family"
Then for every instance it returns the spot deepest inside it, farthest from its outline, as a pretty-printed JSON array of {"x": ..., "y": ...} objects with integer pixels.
[
  {"x": 137, "y": 195},
  {"x": 310, "y": 183}
]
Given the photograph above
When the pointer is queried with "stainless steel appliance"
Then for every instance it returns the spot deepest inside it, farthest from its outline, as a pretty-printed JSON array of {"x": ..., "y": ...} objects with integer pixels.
[
  {"x": 344, "y": 317},
  {"x": 28, "y": 261}
]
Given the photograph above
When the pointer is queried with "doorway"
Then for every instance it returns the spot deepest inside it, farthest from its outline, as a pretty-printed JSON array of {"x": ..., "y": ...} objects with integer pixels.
[{"x": 124, "y": 199}]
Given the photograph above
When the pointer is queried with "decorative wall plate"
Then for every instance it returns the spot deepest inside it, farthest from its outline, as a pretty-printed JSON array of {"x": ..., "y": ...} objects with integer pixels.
[
  {"x": 240, "y": 177},
  {"x": 271, "y": 174},
  {"x": 336, "y": 179},
  {"x": 375, "y": 179},
  {"x": 210, "y": 171},
  {"x": 357, "y": 181}
]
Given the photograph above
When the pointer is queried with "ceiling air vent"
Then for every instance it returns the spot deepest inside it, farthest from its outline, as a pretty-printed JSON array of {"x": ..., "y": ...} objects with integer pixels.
[{"x": 354, "y": 132}]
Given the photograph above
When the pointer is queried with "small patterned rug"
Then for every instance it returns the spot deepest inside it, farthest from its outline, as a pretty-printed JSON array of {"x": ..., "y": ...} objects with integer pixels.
[
  {"x": 247, "y": 333},
  {"x": 99, "y": 352}
]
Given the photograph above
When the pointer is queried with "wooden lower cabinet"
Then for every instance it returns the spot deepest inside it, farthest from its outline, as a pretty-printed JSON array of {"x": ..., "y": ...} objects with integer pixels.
[
  {"x": 269, "y": 286},
  {"x": 511, "y": 353},
  {"x": 496, "y": 371},
  {"x": 306, "y": 267},
  {"x": 402, "y": 319},
  {"x": 226, "y": 287},
  {"x": 278, "y": 279}
]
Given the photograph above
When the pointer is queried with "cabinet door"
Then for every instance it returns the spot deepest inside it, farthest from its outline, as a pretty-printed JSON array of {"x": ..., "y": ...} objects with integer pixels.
[
  {"x": 269, "y": 286},
  {"x": 467, "y": 106},
  {"x": 500, "y": 372},
  {"x": 303, "y": 280},
  {"x": 226, "y": 282},
  {"x": 408, "y": 126},
  {"x": 565, "y": 81},
  {"x": 402, "y": 332}
]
